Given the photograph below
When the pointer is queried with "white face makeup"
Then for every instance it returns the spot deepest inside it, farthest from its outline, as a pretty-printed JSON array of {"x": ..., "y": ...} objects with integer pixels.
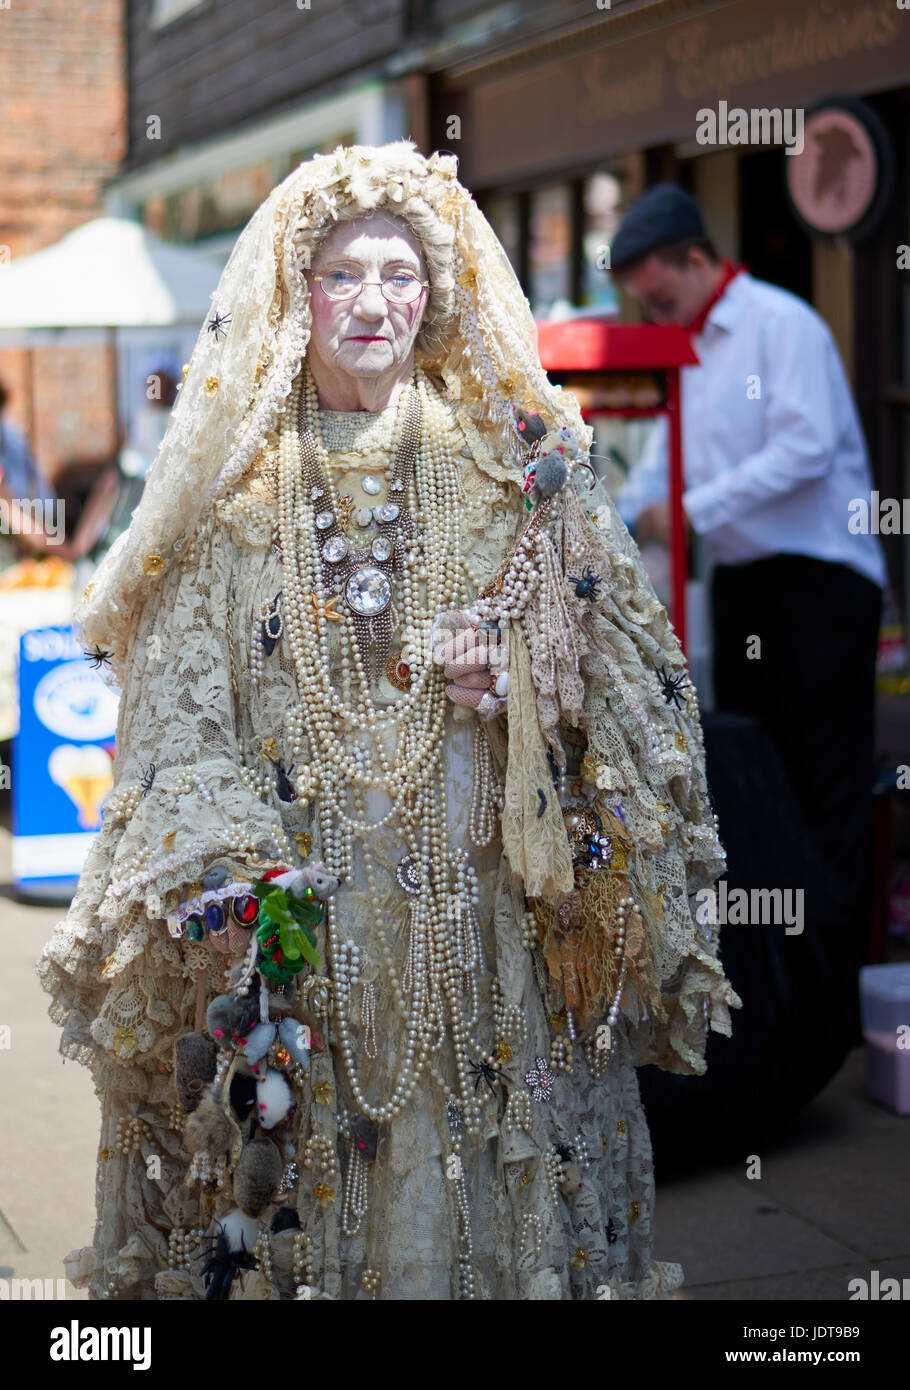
[{"x": 362, "y": 349}]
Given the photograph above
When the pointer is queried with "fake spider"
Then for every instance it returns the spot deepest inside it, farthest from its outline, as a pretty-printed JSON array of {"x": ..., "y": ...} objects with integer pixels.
[
  {"x": 224, "y": 1265},
  {"x": 586, "y": 584},
  {"x": 98, "y": 657},
  {"x": 218, "y": 324},
  {"x": 671, "y": 685},
  {"x": 565, "y": 1151},
  {"x": 485, "y": 1072},
  {"x": 147, "y": 779}
]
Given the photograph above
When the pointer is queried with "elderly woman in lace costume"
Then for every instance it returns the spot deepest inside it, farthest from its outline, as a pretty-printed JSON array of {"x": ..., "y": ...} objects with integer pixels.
[{"x": 393, "y": 890}]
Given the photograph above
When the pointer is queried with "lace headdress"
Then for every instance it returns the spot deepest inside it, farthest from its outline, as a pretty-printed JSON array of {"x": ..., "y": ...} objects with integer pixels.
[{"x": 478, "y": 334}]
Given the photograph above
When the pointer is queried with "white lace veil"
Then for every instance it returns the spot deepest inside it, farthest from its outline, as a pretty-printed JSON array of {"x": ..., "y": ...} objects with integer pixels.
[{"x": 251, "y": 346}]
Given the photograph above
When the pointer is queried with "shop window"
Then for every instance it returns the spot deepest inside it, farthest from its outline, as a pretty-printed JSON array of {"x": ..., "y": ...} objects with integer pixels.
[
  {"x": 502, "y": 213},
  {"x": 163, "y": 11},
  {"x": 550, "y": 250},
  {"x": 601, "y": 217}
]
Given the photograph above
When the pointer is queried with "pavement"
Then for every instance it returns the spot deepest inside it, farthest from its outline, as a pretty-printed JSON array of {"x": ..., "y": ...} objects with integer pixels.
[{"x": 832, "y": 1202}]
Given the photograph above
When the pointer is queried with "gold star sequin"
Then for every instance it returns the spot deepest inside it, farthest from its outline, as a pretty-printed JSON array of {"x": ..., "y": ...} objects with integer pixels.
[
  {"x": 681, "y": 742},
  {"x": 579, "y": 1259},
  {"x": 86, "y": 591},
  {"x": 184, "y": 369},
  {"x": 169, "y": 838},
  {"x": 635, "y": 1211},
  {"x": 504, "y": 1053},
  {"x": 557, "y": 1022},
  {"x": 269, "y": 749},
  {"x": 153, "y": 564},
  {"x": 524, "y": 1179},
  {"x": 507, "y": 387},
  {"x": 620, "y": 1126},
  {"x": 105, "y": 1154},
  {"x": 322, "y": 1093},
  {"x": 324, "y": 1194},
  {"x": 304, "y": 843},
  {"x": 327, "y": 612},
  {"x": 211, "y": 385},
  {"x": 468, "y": 279},
  {"x": 107, "y": 963},
  {"x": 125, "y": 1040}
]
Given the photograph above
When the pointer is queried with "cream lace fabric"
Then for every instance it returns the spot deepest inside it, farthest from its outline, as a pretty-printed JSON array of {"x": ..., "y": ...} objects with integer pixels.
[
  {"x": 555, "y": 1194},
  {"x": 192, "y": 784}
]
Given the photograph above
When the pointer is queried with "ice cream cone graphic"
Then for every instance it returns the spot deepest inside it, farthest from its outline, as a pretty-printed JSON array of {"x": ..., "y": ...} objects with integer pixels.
[{"x": 86, "y": 775}]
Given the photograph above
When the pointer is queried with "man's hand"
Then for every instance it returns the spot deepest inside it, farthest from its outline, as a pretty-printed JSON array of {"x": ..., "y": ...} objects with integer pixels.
[{"x": 652, "y": 525}]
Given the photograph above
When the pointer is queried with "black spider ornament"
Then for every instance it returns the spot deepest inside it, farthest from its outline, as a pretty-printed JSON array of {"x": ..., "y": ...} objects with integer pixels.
[
  {"x": 671, "y": 685},
  {"x": 147, "y": 779},
  {"x": 224, "y": 1265},
  {"x": 485, "y": 1072},
  {"x": 286, "y": 790},
  {"x": 218, "y": 324},
  {"x": 565, "y": 1151},
  {"x": 98, "y": 657},
  {"x": 586, "y": 584}
]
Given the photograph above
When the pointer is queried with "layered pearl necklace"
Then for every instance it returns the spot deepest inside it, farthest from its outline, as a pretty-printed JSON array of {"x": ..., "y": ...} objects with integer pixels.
[{"x": 343, "y": 771}]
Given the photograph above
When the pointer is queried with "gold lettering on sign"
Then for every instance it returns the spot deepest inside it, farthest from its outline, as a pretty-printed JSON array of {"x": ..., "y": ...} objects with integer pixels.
[
  {"x": 825, "y": 35},
  {"x": 602, "y": 97}
]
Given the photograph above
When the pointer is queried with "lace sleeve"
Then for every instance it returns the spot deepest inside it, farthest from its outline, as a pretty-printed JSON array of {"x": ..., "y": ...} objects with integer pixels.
[
  {"x": 606, "y": 667},
  {"x": 182, "y": 798},
  {"x": 183, "y": 794}
]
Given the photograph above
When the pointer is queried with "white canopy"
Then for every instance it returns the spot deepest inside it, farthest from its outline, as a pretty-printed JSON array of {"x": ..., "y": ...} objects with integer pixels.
[{"x": 110, "y": 273}]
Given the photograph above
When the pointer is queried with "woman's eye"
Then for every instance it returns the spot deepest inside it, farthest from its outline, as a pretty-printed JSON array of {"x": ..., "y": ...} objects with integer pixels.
[{"x": 341, "y": 277}]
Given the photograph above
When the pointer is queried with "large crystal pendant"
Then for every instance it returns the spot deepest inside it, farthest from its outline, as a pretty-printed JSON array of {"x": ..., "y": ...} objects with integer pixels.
[{"x": 368, "y": 591}]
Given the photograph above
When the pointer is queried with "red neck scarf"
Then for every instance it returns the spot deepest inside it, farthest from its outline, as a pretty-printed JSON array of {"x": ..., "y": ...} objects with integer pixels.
[{"x": 730, "y": 273}]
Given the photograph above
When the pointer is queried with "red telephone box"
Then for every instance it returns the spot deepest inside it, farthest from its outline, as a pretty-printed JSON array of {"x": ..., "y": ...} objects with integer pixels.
[{"x": 631, "y": 371}]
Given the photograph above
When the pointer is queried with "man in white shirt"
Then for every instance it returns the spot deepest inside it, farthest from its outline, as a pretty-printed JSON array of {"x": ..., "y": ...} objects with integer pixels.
[{"x": 773, "y": 455}]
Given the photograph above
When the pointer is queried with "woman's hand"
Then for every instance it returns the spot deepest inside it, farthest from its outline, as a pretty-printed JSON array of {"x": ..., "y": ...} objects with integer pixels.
[{"x": 475, "y": 662}]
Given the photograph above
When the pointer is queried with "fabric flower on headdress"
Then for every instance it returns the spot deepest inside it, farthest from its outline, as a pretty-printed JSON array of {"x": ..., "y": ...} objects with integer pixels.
[{"x": 444, "y": 164}]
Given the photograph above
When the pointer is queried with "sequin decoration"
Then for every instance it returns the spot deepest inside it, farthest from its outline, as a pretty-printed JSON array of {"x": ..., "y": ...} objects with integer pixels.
[
  {"x": 408, "y": 874},
  {"x": 540, "y": 1080}
]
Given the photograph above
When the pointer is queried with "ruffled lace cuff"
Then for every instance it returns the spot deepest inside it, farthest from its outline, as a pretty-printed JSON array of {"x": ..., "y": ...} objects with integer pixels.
[{"x": 167, "y": 834}]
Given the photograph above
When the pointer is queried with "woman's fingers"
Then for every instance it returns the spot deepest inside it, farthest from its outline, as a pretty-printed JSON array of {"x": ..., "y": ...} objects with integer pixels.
[{"x": 463, "y": 695}]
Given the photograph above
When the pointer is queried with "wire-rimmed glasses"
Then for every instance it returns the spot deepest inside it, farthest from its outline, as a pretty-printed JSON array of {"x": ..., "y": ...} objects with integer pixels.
[{"x": 400, "y": 288}]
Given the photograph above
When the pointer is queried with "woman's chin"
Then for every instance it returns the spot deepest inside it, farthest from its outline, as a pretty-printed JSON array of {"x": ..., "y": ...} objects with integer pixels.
[{"x": 366, "y": 358}]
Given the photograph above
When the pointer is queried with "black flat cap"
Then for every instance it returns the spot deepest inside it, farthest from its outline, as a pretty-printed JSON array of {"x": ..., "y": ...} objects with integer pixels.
[{"x": 659, "y": 217}]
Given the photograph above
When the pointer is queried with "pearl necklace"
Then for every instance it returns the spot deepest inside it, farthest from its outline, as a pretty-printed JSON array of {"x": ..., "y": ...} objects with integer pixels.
[{"x": 344, "y": 772}]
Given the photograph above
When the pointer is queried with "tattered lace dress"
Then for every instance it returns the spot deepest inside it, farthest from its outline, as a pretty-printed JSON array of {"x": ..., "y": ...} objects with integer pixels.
[{"x": 555, "y": 1198}]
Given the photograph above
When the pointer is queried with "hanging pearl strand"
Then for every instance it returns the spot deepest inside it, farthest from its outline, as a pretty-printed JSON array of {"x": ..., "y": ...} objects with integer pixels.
[
  {"x": 413, "y": 779},
  {"x": 321, "y": 708}
]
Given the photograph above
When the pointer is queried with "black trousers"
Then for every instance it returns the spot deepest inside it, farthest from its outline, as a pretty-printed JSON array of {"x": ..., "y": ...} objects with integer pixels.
[{"x": 813, "y": 685}]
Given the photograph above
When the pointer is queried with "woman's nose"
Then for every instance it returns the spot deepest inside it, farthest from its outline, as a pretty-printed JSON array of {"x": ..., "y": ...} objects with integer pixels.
[{"x": 370, "y": 303}]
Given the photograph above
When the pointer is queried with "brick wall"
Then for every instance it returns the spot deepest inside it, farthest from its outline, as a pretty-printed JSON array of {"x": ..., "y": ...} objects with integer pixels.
[{"x": 62, "y": 134}]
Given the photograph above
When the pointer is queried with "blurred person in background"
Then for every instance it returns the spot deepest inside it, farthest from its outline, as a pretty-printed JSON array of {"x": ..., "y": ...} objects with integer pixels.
[
  {"x": 22, "y": 481},
  {"x": 773, "y": 454}
]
